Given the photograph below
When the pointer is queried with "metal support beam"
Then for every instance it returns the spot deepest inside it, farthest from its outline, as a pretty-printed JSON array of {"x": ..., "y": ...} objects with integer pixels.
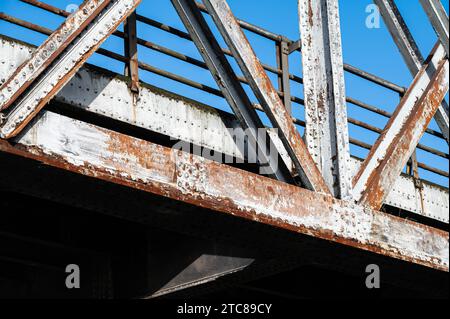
[
  {"x": 49, "y": 51},
  {"x": 266, "y": 94},
  {"x": 410, "y": 52},
  {"x": 131, "y": 52},
  {"x": 86, "y": 39},
  {"x": 396, "y": 144},
  {"x": 284, "y": 85},
  {"x": 326, "y": 131},
  {"x": 232, "y": 90},
  {"x": 97, "y": 152},
  {"x": 439, "y": 20},
  {"x": 175, "y": 117}
]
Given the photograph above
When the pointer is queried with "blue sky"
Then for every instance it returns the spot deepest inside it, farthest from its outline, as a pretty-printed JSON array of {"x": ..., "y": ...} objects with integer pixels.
[{"x": 369, "y": 49}]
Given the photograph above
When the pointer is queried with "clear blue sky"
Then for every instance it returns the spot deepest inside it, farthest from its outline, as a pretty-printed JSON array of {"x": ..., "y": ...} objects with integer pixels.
[{"x": 369, "y": 49}]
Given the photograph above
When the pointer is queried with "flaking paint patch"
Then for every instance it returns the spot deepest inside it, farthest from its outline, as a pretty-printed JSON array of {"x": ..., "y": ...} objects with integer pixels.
[
  {"x": 212, "y": 185},
  {"x": 410, "y": 241},
  {"x": 191, "y": 173}
]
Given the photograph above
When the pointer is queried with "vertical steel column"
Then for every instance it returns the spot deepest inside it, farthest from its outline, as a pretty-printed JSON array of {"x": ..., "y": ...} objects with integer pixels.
[
  {"x": 284, "y": 85},
  {"x": 439, "y": 19},
  {"x": 326, "y": 132},
  {"x": 410, "y": 53},
  {"x": 229, "y": 84},
  {"x": 266, "y": 94},
  {"x": 131, "y": 52}
]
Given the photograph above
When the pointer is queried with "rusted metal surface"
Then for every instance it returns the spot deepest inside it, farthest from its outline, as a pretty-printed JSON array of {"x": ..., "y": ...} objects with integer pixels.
[
  {"x": 410, "y": 52},
  {"x": 326, "y": 131},
  {"x": 260, "y": 144},
  {"x": 76, "y": 146},
  {"x": 132, "y": 67},
  {"x": 183, "y": 119},
  {"x": 49, "y": 51},
  {"x": 266, "y": 94},
  {"x": 439, "y": 20},
  {"x": 179, "y": 118},
  {"x": 66, "y": 64},
  {"x": 396, "y": 144}
]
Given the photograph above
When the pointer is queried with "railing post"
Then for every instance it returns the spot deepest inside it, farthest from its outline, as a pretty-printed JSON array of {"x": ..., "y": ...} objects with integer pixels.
[
  {"x": 131, "y": 53},
  {"x": 282, "y": 50}
]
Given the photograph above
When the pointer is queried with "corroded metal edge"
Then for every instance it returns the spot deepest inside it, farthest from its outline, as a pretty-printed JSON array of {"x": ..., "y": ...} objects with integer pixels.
[{"x": 79, "y": 147}]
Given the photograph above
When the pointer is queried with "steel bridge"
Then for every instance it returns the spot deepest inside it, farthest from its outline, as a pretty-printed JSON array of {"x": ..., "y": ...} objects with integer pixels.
[{"x": 153, "y": 194}]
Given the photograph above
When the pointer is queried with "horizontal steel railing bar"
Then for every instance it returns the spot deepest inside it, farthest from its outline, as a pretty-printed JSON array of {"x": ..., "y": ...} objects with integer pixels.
[
  {"x": 255, "y": 29},
  {"x": 347, "y": 67},
  {"x": 387, "y": 114},
  {"x": 201, "y": 64},
  {"x": 191, "y": 83},
  {"x": 375, "y": 79},
  {"x": 194, "y": 61},
  {"x": 142, "y": 42},
  {"x": 367, "y": 146},
  {"x": 217, "y": 92},
  {"x": 153, "y": 23},
  {"x": 250, "y": 27}
]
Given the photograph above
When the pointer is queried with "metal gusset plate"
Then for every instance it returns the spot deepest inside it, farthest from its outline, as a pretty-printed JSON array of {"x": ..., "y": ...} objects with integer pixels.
[
  {"x": 266, "y": 94},
  {"x": 326, "y": 131},
  {"x": 45, "y": 79},
  {"x": 399, "y": 139},
  {"x": 410, "y": 53},
  {"x": 229, "y": 84}
]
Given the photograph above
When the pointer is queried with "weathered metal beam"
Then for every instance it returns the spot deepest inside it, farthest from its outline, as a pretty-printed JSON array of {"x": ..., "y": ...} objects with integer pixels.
[
  {"x": 80, "y": 147},
  {"x": 49, "y": 51},
  {"x": 439, "y": 20},
  {"x": 326, "y": 131},
  {"x": 100, "y": 92},
  {"x": 131, "y": 52},
  {"x": 228, "y": 83},
  {"x": 65, "y": 63},
  {"x": 396, "y": 144},
  {"x": 266, "y": 94},
  {"x": 410, "y": 52}
]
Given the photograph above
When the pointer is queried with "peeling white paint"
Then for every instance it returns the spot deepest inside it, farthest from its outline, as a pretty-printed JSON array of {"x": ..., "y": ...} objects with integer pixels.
[
  {"x": 196, "y": 178},
  {"x": 166, "y": 114}
]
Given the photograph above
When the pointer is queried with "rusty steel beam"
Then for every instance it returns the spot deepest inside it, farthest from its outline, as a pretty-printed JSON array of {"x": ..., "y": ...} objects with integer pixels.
[
  {"x": 326, "y": 130},
  {"x": 266, "y": 94},
  {"x": 97, "y": 152},
  {"x": 410, "y": 52},
  {"x": 64, "y": 64},
  {"x": 175, "y": 117},
  {"x": 49, "y": 51},
  {"x": 399, "y": 139},
  {"x": 439, "y": 20},
  {"x": 264, "y": 151}
]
